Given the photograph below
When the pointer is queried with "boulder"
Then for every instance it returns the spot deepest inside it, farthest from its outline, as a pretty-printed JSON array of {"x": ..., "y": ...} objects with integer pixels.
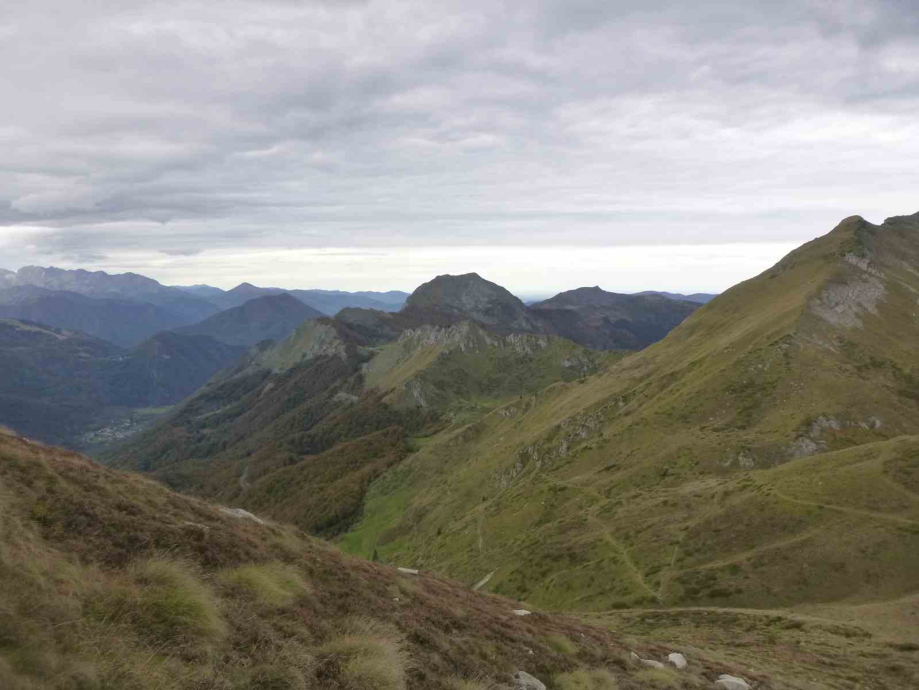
[
  {"x": 524, "y": 681},
  {"x": 241, "y": 514},
  {"x": 647, "y": 662},
  {"x": 522, "y": 612},
  {"x": 726, "y": 682},
  {"x": 678, "y": 660},
  {"x": 408, "y": 571}
]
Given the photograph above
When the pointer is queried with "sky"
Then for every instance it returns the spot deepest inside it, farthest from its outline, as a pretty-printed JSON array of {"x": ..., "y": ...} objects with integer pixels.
[{"x": 546, "y": 144}]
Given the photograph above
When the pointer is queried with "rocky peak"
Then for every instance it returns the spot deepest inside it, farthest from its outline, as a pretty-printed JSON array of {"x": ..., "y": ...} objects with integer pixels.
[{"x": 472, "y": 297}]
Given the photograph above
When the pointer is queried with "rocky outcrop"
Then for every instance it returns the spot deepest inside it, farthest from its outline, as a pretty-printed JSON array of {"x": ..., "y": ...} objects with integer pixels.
[{"x": 844, "y": 304}]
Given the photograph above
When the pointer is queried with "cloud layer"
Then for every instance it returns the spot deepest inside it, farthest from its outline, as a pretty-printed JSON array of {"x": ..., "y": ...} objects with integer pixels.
[{"x": 176, "y": 132}]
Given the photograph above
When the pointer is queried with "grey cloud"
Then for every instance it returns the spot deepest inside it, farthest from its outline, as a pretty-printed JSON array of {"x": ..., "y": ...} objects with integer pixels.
[{"x": 373, "y": 124}]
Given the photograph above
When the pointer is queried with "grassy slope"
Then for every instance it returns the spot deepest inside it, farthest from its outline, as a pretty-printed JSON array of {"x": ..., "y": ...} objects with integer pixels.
[
  {"x": 109, "y": 580},
  {"x": 670, "y": 479},
  {"x": 302, "y": 429}
]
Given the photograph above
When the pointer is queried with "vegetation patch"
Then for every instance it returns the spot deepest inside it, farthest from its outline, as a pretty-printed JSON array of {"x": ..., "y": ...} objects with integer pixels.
[
  {"x": 272, "y": 584},
  {"x": 367, "y": 656}
]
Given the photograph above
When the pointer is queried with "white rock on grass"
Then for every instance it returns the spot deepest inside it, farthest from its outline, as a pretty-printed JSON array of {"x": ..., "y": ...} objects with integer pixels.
[
  {"x": 678, "y": 660},
  {"x": 524, "y": 681},
  {"x": 727, "y": 682},
  {"x": 408, "y": 571},
  {"x": 647, "y": 662},
  {"x": 241, "y": 514},
  {"x": 522, "y": 612}
]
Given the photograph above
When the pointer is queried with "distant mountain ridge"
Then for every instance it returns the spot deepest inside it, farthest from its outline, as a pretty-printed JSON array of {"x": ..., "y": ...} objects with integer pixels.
[
  {"x": 699, "y": 297},
  {"x": 610, "y": 321},
  {"x": 120, "y": 321},
  {"x": 58, "y": 383},
  {"x": 272, "y": 317},
  {"x": 329, "y": 302}
]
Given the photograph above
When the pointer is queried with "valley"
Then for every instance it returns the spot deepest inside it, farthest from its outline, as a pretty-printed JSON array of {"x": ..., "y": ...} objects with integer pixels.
[{"x": 747, "y": 482}]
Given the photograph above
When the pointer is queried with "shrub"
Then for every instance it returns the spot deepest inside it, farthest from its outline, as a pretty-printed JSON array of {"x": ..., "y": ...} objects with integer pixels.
[
  {"x": 368, "y": 656},
  {"x": 586, "y": 679},
  {"x": 273, "y": 584}
]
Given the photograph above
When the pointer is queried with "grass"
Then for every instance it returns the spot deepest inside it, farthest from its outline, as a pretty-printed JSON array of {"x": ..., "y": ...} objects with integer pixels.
[
  {"x": 117, "y": 582},
  {"x": 586, "y": 679},
  {"x": 272, "y": 584},
  {"x": 669, "y": 477},
  {"x": 662, "y": 678},
  {"x": 367, "y": 656},
  {"x": 562, "y": 644},
  {"x": 172, "y": 605}
]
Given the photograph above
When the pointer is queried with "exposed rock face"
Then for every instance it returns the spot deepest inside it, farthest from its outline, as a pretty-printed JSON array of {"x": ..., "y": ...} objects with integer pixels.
[
  {"x": 466, "y": 337},
  {"x": 845, "y": 304},
  {"x": 311, "y": 340},
  {"x": 524, "y": 681}
]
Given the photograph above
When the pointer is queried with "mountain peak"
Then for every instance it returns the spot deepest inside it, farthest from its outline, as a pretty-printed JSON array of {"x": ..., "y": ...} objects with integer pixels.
[{"x": 469, "y": 296}]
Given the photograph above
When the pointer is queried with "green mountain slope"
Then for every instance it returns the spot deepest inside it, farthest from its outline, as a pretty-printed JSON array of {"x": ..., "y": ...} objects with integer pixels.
[
  {"x": 108, "y": 580},
  {"x": 678, "y": 475},
  {"x": 273, "y": 317},
  {"x": 328, "y": 410}
]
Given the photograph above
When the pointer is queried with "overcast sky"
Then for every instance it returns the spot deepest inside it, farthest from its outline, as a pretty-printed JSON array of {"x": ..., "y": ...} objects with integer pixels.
[{"x": 355, "y": 145}]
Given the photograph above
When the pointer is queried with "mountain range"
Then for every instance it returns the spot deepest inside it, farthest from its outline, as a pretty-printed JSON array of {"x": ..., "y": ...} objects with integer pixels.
[
  {"x": 741, "y": 475},
  {"x": 771, "y": 430}
]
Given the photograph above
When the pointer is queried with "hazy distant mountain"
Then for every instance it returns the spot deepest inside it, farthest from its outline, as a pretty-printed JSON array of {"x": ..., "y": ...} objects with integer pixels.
[
  {"x": 272, "y": 317},
  {"x": 57, "y": 383},
  {"x": 52, "y": 384},
  {"x": 126, "y": 286},
  {"x": 609, "y": 321},
  {"x": 698, "y": 297},
  {"x": 329, "y": 302},
  {"x": 119, "y": 321},
  {"x": 204, "y": 291},
  {"x": 164, "y": 369}
]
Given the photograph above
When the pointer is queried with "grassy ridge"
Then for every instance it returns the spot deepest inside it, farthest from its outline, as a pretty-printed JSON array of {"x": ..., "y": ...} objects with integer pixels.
[{"x": 672, "y": 477}]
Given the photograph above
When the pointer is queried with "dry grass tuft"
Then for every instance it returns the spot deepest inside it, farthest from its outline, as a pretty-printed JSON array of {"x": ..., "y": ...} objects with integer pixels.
[
  {"x": 368, "y": 656},
  {"x": 172, "y": 604},
  {"x": 561, "y": 644},
  {"x": 663, "y": 678},
  {"x": 273, "y": 584}
]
